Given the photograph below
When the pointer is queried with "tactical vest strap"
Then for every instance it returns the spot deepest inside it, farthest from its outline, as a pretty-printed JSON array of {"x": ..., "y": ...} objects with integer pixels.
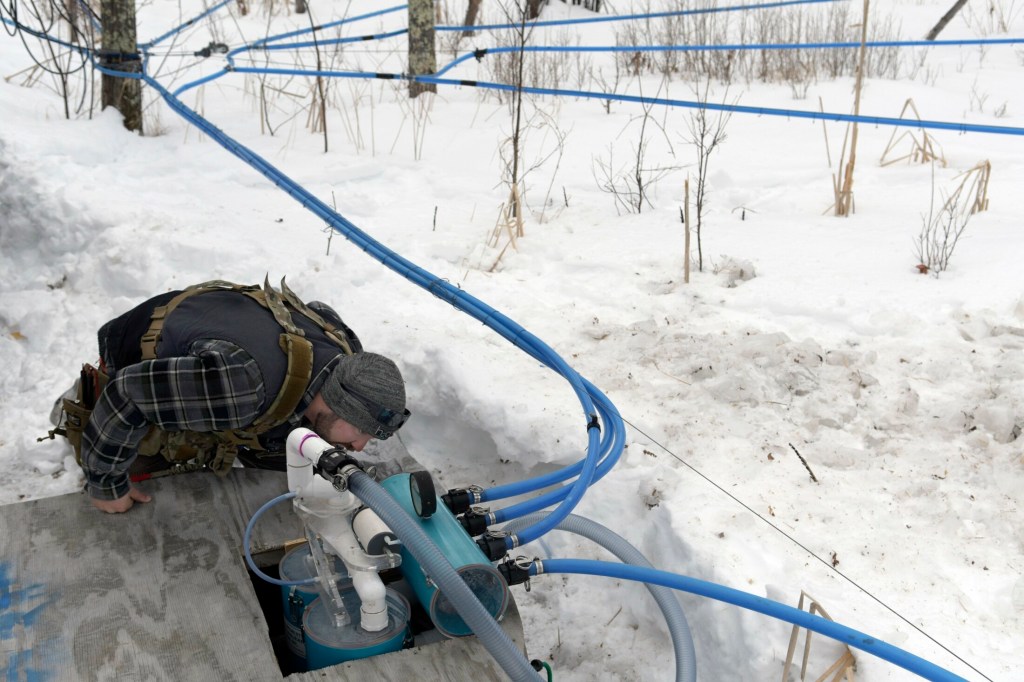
[
  {"x": 293, "y": 344},
  {"x": 156, "y": 325},
  {"x": 160, "y": 313},
  {"x": 271, "y": 299},
  {"x": 296, "y": 379},
  {"x": 336, "y": 335}
]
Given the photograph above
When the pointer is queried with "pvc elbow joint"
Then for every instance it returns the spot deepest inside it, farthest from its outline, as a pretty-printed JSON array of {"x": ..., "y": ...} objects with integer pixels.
[{"x": 373, "y": 607}]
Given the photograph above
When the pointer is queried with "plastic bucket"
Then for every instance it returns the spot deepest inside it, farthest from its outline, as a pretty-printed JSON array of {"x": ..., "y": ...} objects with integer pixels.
[
  {"x": 297, "y": 564},
  {"x": 328, "y": 644}
]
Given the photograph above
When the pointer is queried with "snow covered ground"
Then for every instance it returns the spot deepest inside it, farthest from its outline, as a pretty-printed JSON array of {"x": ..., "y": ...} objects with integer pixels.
[{"x": 903, "y": 392}]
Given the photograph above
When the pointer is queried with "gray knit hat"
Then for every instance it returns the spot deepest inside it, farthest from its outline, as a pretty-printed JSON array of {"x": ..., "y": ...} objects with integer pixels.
[{"x": 367, "y": 391}]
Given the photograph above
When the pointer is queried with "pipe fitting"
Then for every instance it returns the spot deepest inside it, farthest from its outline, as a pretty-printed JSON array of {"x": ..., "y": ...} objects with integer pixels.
[
  {"x": 474, "y": 522},
  {"x": 493, "y": 546}
]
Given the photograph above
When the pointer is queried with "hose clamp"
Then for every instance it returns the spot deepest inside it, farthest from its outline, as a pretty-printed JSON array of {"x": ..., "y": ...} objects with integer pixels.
[
  {"x": 523, "y": 564},
  {"x": 340, "y": 479}
]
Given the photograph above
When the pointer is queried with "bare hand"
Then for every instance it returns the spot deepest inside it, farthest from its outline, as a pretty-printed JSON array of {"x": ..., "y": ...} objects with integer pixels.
[{"x": 121, "y": 504}]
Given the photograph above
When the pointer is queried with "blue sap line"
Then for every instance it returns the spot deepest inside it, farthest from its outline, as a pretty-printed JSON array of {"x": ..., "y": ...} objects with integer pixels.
[
  {"x": 637, "y": 99},
  {"x": 632, "y": 17},
  {"x": 738, "y": 47},
  {"x": 336, "y": 41},
  {"x": 587, "y": 94},
  {"x": 736, "y": 108},
  {"x": 263, "y": 43},
  {"x": 837, "y": 631},
  {"x": 179, "y": 29},
  {"x": 457, "y": 298}
]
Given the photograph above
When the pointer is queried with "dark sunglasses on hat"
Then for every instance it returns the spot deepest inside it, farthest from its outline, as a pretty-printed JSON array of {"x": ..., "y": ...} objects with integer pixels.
[{"x": 388, "y": 421}]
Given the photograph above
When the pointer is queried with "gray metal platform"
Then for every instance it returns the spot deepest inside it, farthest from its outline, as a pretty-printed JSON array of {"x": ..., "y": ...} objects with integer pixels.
[{"x": 163, "y": 592}]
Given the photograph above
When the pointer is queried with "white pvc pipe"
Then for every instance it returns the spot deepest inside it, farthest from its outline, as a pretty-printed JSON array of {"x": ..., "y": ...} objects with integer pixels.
[
  {"x": 333, "y": 521},
  {"x": 373, "y": 609},
  {"x": 300, "y": 467}
]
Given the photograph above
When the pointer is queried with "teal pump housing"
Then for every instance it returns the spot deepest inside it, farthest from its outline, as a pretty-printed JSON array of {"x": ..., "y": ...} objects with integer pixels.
[{"x": 465, "y": 556}]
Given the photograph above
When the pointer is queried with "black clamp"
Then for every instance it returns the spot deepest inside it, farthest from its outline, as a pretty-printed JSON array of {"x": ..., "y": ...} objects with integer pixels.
[
  {"x": 459, "y": 500},
  {"x": 475, "y": 522},
  {"x": 593, "y": 423},
  {"x": 479, "y": 53},
  {"x": 211, "y": 49},
  {"x": 516, "y": 572},
  {"x": 116, "y": 60},
  {"x": 330, "y": 464},
  {"x": 492, "y": 544}
]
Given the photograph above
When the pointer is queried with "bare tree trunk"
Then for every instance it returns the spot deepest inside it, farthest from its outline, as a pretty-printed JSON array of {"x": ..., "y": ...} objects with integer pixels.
[
  {"x": 705, "y": 135},
  {"x": 471, "y": 13},
  {"x": 300, "y": 6},
  {"x": 522, "y": 37},
  {"x": 121, "y": 53},
  {"x": 71, "y": 8},
  {"x": 946, "y": 18},
  {"x": 533, "y": 8},
  {"x": 422, "y": 60},
  {"x": 319, "y": 103}
]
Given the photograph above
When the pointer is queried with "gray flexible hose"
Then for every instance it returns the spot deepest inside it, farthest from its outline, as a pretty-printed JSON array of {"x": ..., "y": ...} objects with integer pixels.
[
  {"x": 678, "y": 628},
  {"x": 440, "y": 570}
]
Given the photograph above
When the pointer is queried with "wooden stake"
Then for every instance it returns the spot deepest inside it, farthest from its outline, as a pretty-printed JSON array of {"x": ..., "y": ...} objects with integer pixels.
[
  {"x": 686, "y": 231},
  {"x": 844, "y": 206}
]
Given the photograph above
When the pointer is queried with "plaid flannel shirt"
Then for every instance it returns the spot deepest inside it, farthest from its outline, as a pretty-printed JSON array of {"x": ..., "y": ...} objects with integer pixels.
[{"x": 217, "y": 387}]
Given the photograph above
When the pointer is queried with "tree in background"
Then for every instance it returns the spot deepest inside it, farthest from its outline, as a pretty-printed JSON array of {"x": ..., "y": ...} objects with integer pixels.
[
  {"x": 706, "y": 133},
  {"x": 422, "y": 59},
  {"x": 471, "y": 12},
  {"x": 120, "y": 53},
  {"x": 946, "y": 18},
  {"x": 512, "y": 149}
]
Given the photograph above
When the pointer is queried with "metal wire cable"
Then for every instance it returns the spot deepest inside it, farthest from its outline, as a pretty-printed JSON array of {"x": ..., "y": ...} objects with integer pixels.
[{"x": 799, "y": 544}]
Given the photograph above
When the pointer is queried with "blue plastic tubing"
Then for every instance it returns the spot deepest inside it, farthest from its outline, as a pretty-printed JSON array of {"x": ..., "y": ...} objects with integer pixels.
[
  {"x": 247, "y": 539},
  {"x": 638, "y": 99},
  {"x": 611, "y": 448},
  {"x": 678, "y": 628},
  {"x": 633, "y": 17},
  {"x": 612, "y": 453},
  {"x": 178, "y": 29},
  {"x": 738, "y": 47},
  {"x": 304, "y": 31},
  {"x": 454, "y": 296},
  {"x": 841, "y": 633}
]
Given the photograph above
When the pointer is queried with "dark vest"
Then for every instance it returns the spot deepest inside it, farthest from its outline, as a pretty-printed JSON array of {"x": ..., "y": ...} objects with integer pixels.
[
  {"x": 234, "y": 317},
  {"x": 224, "y": 315},
  {"x": 218, "y": 313}
]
